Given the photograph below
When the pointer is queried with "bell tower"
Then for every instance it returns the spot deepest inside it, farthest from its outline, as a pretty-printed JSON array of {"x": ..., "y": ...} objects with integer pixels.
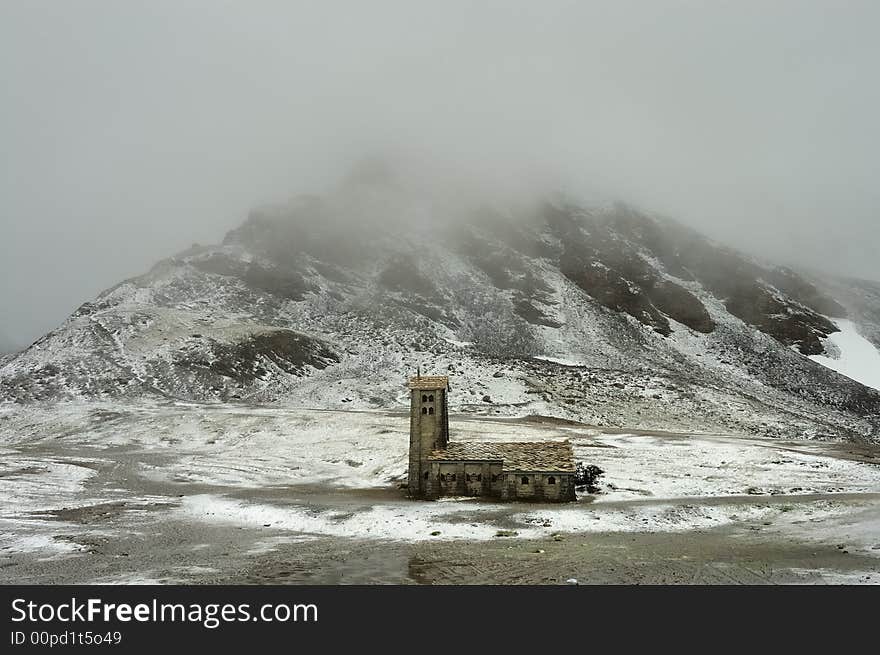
[{"x": 428, "y": 425}]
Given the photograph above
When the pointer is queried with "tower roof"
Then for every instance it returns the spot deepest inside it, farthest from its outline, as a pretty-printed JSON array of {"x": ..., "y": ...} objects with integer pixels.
[{"x": 429, "y": 382}]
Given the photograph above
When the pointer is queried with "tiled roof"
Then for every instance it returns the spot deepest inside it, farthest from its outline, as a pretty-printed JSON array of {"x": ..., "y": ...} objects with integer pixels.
[
  {"x": 538, "y": 456},
  {"x": 429, "y": 382}
]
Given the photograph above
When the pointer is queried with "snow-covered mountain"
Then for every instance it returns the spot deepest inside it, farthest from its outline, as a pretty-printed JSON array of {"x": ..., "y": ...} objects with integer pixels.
[{"x": 603, "y": 315}]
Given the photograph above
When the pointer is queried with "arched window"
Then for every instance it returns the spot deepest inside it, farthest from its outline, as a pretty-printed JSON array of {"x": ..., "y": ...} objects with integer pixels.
[
  {"x": 424, "y": 410},
  {"x": 431, "y": 398},
  {"x": 551, "y": 480},
  {"x": 524, "y": 479},
  {"x": 424, "y": 398},
  {"x": 430, "y": 410}
]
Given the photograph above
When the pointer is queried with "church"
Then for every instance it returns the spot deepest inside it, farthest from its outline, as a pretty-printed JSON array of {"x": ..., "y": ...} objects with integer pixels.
[{"x": 541, "y": 471}]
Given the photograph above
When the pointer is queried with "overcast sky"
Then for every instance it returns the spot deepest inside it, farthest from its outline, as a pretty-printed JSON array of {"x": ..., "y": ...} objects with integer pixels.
[{"x": 129, "y": 130}]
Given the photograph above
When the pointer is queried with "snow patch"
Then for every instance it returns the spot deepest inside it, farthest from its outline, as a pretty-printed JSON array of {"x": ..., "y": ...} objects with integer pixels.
[
  {"x": 564, "y": 361},
  {"x": 410, "y": 522},
  {"x": 858, "y": 358}
]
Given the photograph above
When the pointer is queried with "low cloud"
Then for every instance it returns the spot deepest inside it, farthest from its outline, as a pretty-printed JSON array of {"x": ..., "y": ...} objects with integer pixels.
[{"x": 132, "y": 130}]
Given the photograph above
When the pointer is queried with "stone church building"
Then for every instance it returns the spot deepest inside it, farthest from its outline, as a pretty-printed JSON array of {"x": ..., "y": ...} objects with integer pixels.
[{"x": 537, "y": 471}]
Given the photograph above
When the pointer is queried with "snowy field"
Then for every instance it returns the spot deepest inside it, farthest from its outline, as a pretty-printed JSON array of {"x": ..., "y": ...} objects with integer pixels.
[
  {"x": 79, "y": 474},
  {"x": 853, "y": 355}
]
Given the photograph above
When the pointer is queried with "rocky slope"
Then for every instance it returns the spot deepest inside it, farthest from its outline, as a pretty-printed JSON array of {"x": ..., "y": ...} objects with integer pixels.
[{"x": 604, "y": 315}]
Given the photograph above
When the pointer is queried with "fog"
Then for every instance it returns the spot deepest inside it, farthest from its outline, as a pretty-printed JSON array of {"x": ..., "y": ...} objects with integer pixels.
[{"x": 130, "y": 130}]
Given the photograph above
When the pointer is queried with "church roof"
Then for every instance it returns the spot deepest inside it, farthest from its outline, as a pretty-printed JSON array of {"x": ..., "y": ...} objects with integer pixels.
[
  {"x": 429, "y": 382},
  {"x": 516, "y": 457}
]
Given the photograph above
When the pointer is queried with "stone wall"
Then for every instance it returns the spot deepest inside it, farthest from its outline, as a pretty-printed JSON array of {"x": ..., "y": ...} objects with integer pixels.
[
  {"x": 486, "y": 479},
  {"x": 463, "y": 479},
  {"x": 542, "y": 487}
]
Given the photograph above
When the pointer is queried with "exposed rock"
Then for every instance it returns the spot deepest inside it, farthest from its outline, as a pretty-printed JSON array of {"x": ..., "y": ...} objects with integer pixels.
[
  {"x": 791, "y": 323},
  {"x": 248, "y": 359},
  {"x": 329, "y": 291}
]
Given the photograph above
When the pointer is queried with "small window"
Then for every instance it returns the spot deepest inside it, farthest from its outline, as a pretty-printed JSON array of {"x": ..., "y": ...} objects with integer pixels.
[
  {"x": 551, "y": 480},
  {"x": 479, "y": 477},
  {"x": 426, "y": 475},
  {"x": 452, "y": 476},
  {"x": 431, "y": 398},
  {"x": 494, "y": 477},
  {"x": 524, "y": 479},
  {"x": 430, "y": 410},
  {"x": 424, "y": 410},
  {"x": 424, "y": 398},
  {"x": 443, "y": 477}
]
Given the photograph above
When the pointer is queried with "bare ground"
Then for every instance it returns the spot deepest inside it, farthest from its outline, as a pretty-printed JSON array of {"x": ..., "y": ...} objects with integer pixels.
[
  {"x": 170, "y": 551},
  {"x": 139, "y": 536}
]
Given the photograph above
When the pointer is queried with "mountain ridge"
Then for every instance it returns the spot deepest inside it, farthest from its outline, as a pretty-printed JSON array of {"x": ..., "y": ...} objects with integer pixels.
[{"x": 604, "y": 315}]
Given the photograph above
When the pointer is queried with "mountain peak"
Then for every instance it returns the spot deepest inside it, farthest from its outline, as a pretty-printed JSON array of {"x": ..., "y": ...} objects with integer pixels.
[{"x": 304, "y": 299}]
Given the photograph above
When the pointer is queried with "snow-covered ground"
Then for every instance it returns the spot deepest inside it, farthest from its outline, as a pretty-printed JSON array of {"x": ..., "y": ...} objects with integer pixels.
[
  {"x": 857, "y": 357},
  {"x": 312, "y": 473}
]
